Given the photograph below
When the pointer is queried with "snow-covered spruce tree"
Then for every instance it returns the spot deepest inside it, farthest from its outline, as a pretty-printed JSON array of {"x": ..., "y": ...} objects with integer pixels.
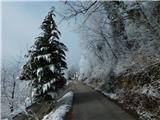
[{"x": 46, "y": 61}]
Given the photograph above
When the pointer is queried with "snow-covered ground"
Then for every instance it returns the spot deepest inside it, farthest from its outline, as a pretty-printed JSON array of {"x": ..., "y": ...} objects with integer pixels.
[
  {"x": 64, "y": 107},
  {"x": 20, "y": 108}
]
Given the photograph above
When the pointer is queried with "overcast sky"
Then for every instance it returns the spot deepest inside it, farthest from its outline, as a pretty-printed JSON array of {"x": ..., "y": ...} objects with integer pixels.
[{"x": 21, "y": 24}]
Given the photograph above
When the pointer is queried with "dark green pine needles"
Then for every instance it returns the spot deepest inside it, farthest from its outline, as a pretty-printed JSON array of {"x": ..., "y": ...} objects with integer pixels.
[{"x": 46, "y": 61}]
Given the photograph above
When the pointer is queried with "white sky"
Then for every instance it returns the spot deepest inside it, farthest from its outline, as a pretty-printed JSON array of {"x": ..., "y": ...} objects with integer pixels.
[{"x": 21, "y": 24}]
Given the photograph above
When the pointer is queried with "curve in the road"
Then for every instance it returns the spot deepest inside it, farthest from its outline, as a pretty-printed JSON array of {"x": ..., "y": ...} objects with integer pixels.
[{"x": 91, "y": 105}]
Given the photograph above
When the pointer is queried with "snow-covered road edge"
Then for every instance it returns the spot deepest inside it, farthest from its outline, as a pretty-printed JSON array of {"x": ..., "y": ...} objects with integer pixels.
[
  {"x": 138, "y": 113},
  {"x": 112, "y": 96},
  {"x": 65, "y": 104}
]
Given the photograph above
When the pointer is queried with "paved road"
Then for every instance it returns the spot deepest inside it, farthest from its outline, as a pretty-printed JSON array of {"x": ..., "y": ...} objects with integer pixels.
[{"x": 91, "y": 105}]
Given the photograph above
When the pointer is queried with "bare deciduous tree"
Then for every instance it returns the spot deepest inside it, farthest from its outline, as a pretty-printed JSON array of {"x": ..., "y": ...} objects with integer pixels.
[{"x": 13, "y": 93}]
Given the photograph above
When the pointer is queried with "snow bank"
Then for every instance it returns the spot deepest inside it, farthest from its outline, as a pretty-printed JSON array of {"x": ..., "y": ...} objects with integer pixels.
[
  {"x": 110, "y": 95},
  {"x": 64, "y": 107},
  {"x": 59, "y": 114}
]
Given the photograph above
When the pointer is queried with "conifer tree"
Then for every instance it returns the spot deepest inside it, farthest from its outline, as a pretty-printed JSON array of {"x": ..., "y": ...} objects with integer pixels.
[{"x": 46, "y": 61}]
